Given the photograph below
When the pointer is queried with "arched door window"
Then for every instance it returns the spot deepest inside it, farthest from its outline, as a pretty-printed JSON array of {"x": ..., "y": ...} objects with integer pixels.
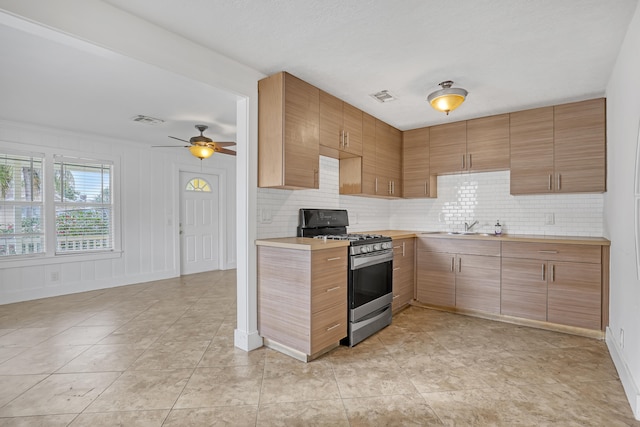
[{"x": 198, "y": 184}]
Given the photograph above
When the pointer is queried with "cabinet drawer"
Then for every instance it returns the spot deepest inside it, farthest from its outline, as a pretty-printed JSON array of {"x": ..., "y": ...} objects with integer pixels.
[
  {"x": 328, "y": 327},
  {"x": 328, "y": 260},
  {"x": 553, "y": 251},
  {"x": 330, "y": 293},
  {"x": 460, "y": 246}
]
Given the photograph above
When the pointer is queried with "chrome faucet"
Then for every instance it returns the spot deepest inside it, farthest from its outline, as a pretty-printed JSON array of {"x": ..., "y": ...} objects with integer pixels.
[{"x": 468, "y": 227}]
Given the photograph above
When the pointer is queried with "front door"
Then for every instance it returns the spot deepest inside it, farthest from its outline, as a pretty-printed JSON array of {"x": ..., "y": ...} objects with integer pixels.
[{"x": 199, "y": 225}]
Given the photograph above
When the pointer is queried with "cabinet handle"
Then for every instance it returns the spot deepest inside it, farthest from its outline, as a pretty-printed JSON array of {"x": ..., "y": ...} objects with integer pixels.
[
  {"x": 396, "y": 296},
  {"x": 559, "y": 182},
  {"x": 335, "y": 288},
  {"x": 463, "y": 156},
  {"x": 553, "y": 272},
  {"x": 347, "y": 143},
  {"x": 452, "y": 263},
  {"x": 333, "y": 327},
  {"x": 426, "y": 188},
  {"x": 389, "y": 188},
  {"x": 469, "y": 161},
  {"x": 376, "y": 186},
  {"x": 549, "y": 185},
  {"x": 402, "y": 248},
  {"x": 543, "y": 273},
  {"x": 396, "y": 247},
  {"x": 342, "y": 138},
  {"x": 459, "y": 265},
  {"x": 393, "y": 187},
  {"x": 396, "y": 268},
  {"x": 334, "y": 259},
  {"x": 547, "y": 252}
]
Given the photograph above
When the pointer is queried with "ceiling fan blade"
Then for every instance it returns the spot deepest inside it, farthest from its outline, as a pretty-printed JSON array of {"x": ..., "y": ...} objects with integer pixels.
[
  {"x": 180, "y": 139},
  {"x": 224, "y": 144},
  {"x": 224, "y": 151},
  {"x": 171, "y": 146}
]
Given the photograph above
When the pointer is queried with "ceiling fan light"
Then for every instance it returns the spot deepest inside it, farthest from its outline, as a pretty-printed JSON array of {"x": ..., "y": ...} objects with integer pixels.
[
  {"x": 448, "y": 98},
  {"x": 201, "y": 151}
]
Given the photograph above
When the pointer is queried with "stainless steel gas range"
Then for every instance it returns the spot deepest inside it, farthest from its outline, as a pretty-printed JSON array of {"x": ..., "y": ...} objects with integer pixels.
[{"x": 370, "y": 270}]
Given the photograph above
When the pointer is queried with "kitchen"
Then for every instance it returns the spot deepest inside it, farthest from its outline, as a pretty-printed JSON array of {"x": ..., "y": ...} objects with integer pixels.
[{"x": 274, "y": 221}]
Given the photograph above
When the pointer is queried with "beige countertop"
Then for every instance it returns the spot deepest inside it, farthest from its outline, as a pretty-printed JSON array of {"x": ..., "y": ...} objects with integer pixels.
[
  {"x": 305, "y": 243},
  {"x": 302, "y": 243}
]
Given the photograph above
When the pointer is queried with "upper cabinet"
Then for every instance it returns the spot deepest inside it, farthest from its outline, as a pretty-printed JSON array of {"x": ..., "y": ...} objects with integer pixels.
[
  {"x": 447, "y": 148},
  {"x": 477, "y": 145},
  {"x": 288, "y": 133},
  {"x": 417, "y": 181},
  {"x": 559, "y": 149},
  {"x": 379, "y": 171},
  {"x": 579, "y": 147},
  {"x": 488, "y": 143},
  {"x": 340, "y": 127}
]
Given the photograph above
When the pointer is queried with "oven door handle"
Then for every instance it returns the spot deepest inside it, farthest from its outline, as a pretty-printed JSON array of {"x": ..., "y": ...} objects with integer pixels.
[{"x": 362, "y": 261}]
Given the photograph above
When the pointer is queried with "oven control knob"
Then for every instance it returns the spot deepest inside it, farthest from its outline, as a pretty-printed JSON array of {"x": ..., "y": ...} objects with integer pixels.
[
  {"x": 387, "y": 245},
  {"x": 364, "y": 249},
  {"x": 377, "y": 247}
]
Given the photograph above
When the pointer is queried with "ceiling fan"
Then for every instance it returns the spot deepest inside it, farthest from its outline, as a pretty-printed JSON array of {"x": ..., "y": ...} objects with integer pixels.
[{"x": 203, "y": 147}]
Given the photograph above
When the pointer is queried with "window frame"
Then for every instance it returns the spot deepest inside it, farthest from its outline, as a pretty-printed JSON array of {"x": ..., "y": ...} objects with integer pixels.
[{"x": 50, "y": 256}]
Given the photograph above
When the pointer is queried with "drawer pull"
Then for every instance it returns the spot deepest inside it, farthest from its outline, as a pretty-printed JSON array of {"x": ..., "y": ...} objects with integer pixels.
[
  {"x": 397, "y": 247},
  {"x": 543, "y": 273},
  {"x": 333, "y": 259},
  {"x": 396, "y": 296},
  {"x": 547, "y": 252},
  {"x": 396, "y": 268},
  {"x": 553, "y": 272},
  {"x": 330, "y": 328},
  {"x": 335, "y": 288}
]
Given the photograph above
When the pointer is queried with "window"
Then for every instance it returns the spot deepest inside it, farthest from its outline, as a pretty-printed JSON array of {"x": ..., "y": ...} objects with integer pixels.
[
  {"x": 83, "y": 205},
  {"x": 21, "y": 206},
  {"x": 198, "y": 184}
]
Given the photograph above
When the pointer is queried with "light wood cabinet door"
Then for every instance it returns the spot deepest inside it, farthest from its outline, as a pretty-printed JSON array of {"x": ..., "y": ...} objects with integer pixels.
[
  {"x": 340, "y": 127},
  {"x": 331, "y": 128},
  {"x": 436, "y": 279},
  {"x": 524, "y": 288},
  {"x": 369, "y": 155},
  {"x": 352, "y": 125},
  {"x": 579, "y": 147},
  {"x": 288, "y": 133},
  {"x": 403, "y": 272},
  {"x": 416, "y": 179},
  {"x": 388, "y": 160},
  {"x": 531, "y": 134},
  {"x": 488, "y": 143},
  {"x": 447, "y": 148},
  {"x": 478, "y": 283},
  {"x": 575, "y": 294}
]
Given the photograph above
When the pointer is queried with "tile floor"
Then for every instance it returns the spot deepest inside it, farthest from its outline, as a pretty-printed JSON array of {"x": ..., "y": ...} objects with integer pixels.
[{"x": 161, "y": 354}]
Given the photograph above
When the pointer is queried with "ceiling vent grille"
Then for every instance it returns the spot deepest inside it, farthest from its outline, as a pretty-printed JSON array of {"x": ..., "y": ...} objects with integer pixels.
[
  {"x": 383, "y": 96},
  {"x": 147, "y": 120}
]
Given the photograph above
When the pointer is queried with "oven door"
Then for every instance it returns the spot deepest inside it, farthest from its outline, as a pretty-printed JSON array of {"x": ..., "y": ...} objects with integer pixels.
[{"x": 370, "y": 277}]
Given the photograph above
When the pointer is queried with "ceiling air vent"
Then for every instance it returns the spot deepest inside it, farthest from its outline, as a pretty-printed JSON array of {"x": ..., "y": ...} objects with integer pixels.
[
  {"x": 147, "y": 120},
  {"x": 383, "y": 96}
]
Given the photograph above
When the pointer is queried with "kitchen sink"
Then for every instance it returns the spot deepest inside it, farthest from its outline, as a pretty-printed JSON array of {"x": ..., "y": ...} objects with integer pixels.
[{"x": 457, "y": 233}]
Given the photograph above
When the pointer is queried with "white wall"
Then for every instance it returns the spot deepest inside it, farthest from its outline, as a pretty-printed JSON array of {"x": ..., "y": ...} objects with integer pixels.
[
  {"x": 149, "y": 200},
  {"x": 623, "y": 117},
  {"x": 461, "y": 198}
]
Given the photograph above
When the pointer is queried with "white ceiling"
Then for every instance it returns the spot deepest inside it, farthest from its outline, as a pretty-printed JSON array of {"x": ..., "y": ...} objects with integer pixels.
[{"x": 509, "y": 55}]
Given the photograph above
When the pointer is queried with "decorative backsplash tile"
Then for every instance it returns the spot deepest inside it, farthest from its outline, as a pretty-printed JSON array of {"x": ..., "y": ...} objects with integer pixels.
[{"x": 469, "y": 197}]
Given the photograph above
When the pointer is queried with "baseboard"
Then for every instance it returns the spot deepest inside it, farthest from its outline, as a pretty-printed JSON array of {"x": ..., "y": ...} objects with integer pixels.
[
  {"x": 628, "y": 384},
  {"x": 247, "y": 341}
]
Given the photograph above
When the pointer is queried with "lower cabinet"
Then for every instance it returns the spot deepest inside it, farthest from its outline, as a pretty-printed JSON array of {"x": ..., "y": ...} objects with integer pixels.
[
  {"x": 557, "y": 283},
  {"x": 459, "y": 273},
  {"x": 302, "y": 297},
  {"x": 403, "y": 272}
]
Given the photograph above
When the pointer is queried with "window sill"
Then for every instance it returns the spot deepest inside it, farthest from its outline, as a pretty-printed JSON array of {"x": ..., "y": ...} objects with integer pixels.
[{"x": 31, "y": 260}]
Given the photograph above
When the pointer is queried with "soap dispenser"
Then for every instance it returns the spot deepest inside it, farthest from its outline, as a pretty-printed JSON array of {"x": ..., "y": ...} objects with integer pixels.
[{"x": 498, "y": 229}]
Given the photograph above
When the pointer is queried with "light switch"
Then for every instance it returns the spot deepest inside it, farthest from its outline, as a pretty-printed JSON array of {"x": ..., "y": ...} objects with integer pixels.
[{"x": 549, "y": 219}]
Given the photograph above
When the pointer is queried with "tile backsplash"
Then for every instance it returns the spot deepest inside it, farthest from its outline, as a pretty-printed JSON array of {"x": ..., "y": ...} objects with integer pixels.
[{"x": 468, "y": 197}]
